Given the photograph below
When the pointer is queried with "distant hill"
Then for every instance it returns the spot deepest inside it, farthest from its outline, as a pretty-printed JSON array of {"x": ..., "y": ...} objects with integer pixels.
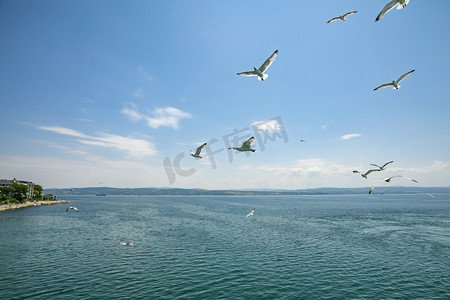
[{"x": 178, "y": 191}]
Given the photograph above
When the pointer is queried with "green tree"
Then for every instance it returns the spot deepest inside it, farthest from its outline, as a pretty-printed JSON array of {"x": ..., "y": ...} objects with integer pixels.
[
  {"x": 16, "y": 191},
  {"x": 37, "y": 191}
]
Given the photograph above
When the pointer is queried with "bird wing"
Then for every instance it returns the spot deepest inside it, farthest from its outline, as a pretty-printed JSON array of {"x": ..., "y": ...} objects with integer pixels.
[
  {"x": 355, "y": 171},
  {"x": 386, "y": 8},
  {"x": 350, "y": 13},
  {"x": 334, "y": 19},
  {"x": 404, "y": 76},
  {"x": 199, "y": 149},
  {"x": 248, "y": 143},
  {"x": 408, "y": 178},
  {"x": 383, "y": 86},
  {"x": 389, "y": 162},
  {"x": 248, "y": 73},
  {"x": 374, "y": 184},
  {"x": 268, "y": 62},
  {"x": 375, "y": 165},
  {"x": 370, "y": 171}
]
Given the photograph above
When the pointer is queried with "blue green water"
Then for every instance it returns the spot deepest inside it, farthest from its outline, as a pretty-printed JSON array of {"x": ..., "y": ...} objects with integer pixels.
[{"x": 198, "y": 247}]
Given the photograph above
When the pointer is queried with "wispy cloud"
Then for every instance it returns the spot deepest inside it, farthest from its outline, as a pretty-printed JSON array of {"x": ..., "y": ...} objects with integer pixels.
[
  {"x": 350, "y": 136},
  {"x": 167, "y": 116},
  {"x": 145, "y": 76},
  {"x": 268, "y": 125},
  {"x": 134, "y": 147}
]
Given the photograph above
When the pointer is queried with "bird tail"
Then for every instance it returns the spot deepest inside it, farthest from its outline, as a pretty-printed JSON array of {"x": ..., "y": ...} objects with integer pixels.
[
  {"x": 264, "y": 77},
  {"x": 400, "y": 5}
]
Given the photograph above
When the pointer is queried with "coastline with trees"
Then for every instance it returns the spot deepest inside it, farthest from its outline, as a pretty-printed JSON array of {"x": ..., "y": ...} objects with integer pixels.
[{"x": 15, "y": 194}]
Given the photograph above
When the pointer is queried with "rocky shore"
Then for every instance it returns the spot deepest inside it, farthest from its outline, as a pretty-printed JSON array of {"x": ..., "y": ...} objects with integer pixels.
[{"x": 5, "y": 207}]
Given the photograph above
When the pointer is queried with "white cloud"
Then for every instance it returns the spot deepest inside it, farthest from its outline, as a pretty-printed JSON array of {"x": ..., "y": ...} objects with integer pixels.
[
  {"x": 167, "y": 116},
  {"x": 268, "y": 125},
  {"x": 53, "y": 172},
  {"x": 350, "y": 136},
  {"x": 145, "y": 76},
  {"x": 64, "y": 131},
  {"x": 134, "y": 147}
]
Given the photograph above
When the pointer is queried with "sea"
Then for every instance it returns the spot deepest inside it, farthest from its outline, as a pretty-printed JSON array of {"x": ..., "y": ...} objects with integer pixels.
[{"x": 204, "y": 247}]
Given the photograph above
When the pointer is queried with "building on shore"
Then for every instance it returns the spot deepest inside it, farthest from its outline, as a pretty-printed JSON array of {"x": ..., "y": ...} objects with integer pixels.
[{"x": 29, "y": 184}]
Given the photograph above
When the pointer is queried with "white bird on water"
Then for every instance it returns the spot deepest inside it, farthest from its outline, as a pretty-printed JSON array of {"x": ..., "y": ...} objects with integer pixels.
[
  {"x": 388, "y": 179},
  {"x": 394, "y": 83},
  {"x": 72, "y": 207},
  {"x": 343, "y": 17},
  {"x": 400, "y": 4},
  {"x": 130, "y": 243},
  {"x": 367, "y": 173},
  {"x": 197, "y": 153},
  {"x": 260, "y": 72},
  {"x": 251, "y": 213},
  {"x": 245, "y": 146}
]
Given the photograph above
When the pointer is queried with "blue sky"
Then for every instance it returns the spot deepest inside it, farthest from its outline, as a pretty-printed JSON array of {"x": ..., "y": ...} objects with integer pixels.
[{"x": 116, "y": 93}]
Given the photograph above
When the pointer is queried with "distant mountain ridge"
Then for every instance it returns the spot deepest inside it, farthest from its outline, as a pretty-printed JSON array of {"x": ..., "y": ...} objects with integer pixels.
[{"x": 181, "y": 191}]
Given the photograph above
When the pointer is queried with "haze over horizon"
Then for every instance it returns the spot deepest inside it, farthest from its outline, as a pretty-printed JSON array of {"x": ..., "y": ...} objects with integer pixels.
[{"x": 113, "y": 93}]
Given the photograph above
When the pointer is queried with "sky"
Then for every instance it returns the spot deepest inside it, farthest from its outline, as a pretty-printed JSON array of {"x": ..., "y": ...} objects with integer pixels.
[{"x": 117, "y": 93}]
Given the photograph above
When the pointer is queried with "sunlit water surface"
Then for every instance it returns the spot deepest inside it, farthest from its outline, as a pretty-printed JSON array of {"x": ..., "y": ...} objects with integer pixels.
[{"x": 198, "y": 247}]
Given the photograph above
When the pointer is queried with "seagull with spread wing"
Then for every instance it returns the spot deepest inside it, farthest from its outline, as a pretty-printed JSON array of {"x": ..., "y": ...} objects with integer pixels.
[
  {"x": 382, "y": 167},
  {"x": 343, "y": 17},
  {"x": 367, "y": 173},
  {"x": 400, "y": 4},
  {"x": 245, "y": 146},
  {"x": 251, "y": 213},
  {"x": 197, "y": 153},
  {"x": 388, "y": 179},
  {"x": 72, "y": 207},
  {"x": 260, "y": 72},
  {"x": 395, "y": 83}
]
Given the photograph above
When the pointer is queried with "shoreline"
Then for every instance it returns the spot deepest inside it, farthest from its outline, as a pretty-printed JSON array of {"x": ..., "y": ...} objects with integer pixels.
[{"x": 6, "y": 207}]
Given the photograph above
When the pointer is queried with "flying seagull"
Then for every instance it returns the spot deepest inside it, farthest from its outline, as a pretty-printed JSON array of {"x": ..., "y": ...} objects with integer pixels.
[
  {"x": 251, "y": 213},
  {"x": 197, "y": 153},
  {"x": 343, "y": 17},
  {"x": 388, "y": 179},
  {"x": 245, "y": 146},
  {"x": 302, "y": 141},
  {"x": 400, "y": 4},
  {"x": 367, "y": 173},
  {"x": 72, "y": 207},
  {"x": 260, "y": 72},
  {"x": 382, "y": 167},
  {"x": 394, "y": 83},
  {"x": 130, "y": 243}
]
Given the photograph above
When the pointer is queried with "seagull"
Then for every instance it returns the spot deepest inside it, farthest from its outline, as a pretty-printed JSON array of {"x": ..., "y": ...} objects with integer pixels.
[
  {"x": 367, "y": 173},
  {"x": 431, "y": 195},
  {"x": 72, "y": 207},
  {"x": 130, "y": 243},
  {"x": 245, "y": 146},
  {"x": 382, "y": 167},
  {"x": 391, "y": 5},
  {"x": 197, "y": 153},
  {"x": 251, "y": 213},
  {"x": 394, "y": 83},
  {"x": 302, "y": 141},
  {"x": 388, "y": 179},
  {"x": 260, "y": 72},
  {"x": 343, "y": 18}
]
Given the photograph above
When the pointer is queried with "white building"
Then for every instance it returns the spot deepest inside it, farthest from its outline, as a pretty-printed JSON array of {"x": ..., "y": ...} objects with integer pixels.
[{"x": 7, "y": 182}]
